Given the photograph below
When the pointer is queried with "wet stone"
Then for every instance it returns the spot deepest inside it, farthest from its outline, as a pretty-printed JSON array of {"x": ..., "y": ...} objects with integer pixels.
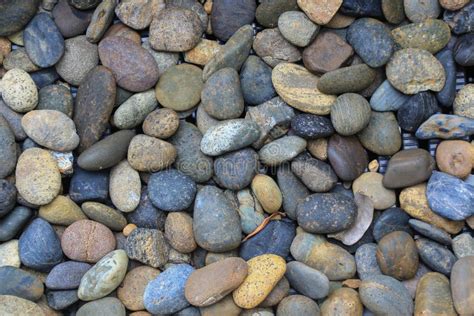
[
  {"x": 391, "y": 220},
  {"x": 416, "y": 110}
]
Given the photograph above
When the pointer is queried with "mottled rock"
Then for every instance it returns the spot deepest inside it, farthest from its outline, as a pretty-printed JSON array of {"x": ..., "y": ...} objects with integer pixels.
[
  {"x": 56, "y": 97},
  {"x": 345, "y": 301},
  {"x": 433, "y": 295},
  {"x": 417, "y": 10},
  {"x": 146, "y": 153},
  {"x": 179, "y": 232},
  {"x": 11, "y": 305},
  {"x": 89, "y": 186},
  {"x": 19, "y": 91},
  {"x": 61, "y": 211},
  {"x": 414, "y": 35},
  {"x": 106, "y": 305},
  {"x": 18, "y": 58},
  {"x": 317, "y": 175},
  {"x": 100, "y": 20},
  {"x": 366, "y": 261},
  {"x": 362, "y": 8},
  {"x": 347, "y": 79},
  {"x": 393, "y": 11},
  {"x": 10, "y": 254},
  {"x": 463, "y": 103},
  {"x": 161, "y": 123},
  {"x": 320, "y": 11},
  {"x": 203, "y": 52},
  {"x": 311, "y": 126},
  {"x": 435, "y": 256},
  {"x": 146, "y": 215},
  {"x": 274, "y": 49},
  {"x": 297, "y": 28},
  {"x": 148, "y": 246},
  {"x": 171, "y": 191},
  {"x": 138, "y": 14},
  {"x": 20, "y": 283},
  {"x": 104, "y": 214},
  {"x": 460, "y": 21},
  {"x": 445, "y": 126}
]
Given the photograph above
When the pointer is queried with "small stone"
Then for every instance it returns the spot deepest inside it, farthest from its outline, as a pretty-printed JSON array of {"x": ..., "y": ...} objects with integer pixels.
[
  {"x": 370, "y": 184},
  {"x": 417, "y": 110},
  {"x": 61, "y": 211},
  {"x": 69, "y": 20},
  {"x": 148, "y": 246},
  {"x": 236, "y": 178},
  {"x": 104, "y": 214},
  {"x": 267, "y": 192},
  {"x": 430, "y": 231},
  {"x": 318, "y": 148},
  {"x": 101, "y": 20},
  {"x": 426, "y": 72},
  {"x": 10, "y": 254},
  {"x": 347, "y": 79},
  {"x": 103, "y": 306},
  {"x": 274, "y": 49},
  {"x": 255, "y": 81},
  {"x": 445, "y": 126},
  {"x": 463, "y": 245},
  {"x": 18, "y": 58},
  {"x": 461, "y": 288},
  {"x": 435, "y": 256},
  {"x": 345, "y": 301},
  {"x": 433, "y": 295},
  {"x": 227, "y": 17},
  {"x": 125, "y": 187},
  {"x": 19, "y": 91},
  {"x": 104, "y": 277},
  {"x": 306, "y": 280},
  {"x": 391, "y": 220},
  {"x": 146, "y": 153},
  {"x": 13, "y": 222},
  {"x": 20, "y": 283},
  {"x": 311, "y": 126},
  {"x": 133, "y": 287},
  {"x": 179, "y": 232},
  {"x": 417, "y": 10},
  {"x": 128, "y": 229},
  {"x": 281, "y": 150},
  {"x": 164, "y": 194},
  {"x": 8, "y": 157},
  {"x": 366, "y": 260},
  {"x": 393, "y": 11},
  {"x": 202, "y": 53},
  {"x": 387, "y": 98},
  {"x": 298, "y": 304},
  {"x": 318, "y": 176},
  {"x": 464, "y": 102},
  {"x": 382, "y": 134},
  {"x": 347, "y": 157},
  {"x": 161, "y": 123},
  {"x": 11, "y": 305},
  {"x": 297, "y": 28},
  {"x": 415, "y": 35},
  {"x": 269, "y": 11},
  {"x": 56, "y": 97},
  {"x": 66, "y": 275},
  {"x": 138, "y": 14}
]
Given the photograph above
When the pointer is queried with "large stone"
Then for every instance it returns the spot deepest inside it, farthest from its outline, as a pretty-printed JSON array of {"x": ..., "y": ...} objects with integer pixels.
[
  {"x": 292, "y": 191},
  {"x": 387, "y": 98},
  {"x": 317, "y": 175},
  {"x": 66, "y": 275},
  {"x": 89, "y": 186},
  {"x": 229, "y": 177},
  {"x": 297, "y": 28},
  {"x": 433, "y": 295},
  {"x": 417, "y": 11},
  {"x": 61, "y": 211},
  {"x": 138, "y": 14},
  {"x": 281, "y": 150},
  {"x": 435, "y": 255}
]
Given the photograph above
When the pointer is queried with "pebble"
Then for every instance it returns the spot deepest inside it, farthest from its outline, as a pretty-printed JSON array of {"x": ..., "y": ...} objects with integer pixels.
[
  {"x": 61, "y": 299},
  {"x": 104, "y": 214},
  {"x": 103, "y": 306},
  {"x": 89, "y": 186},
  {"x": 460, "y": 21},
  {"x": 431, "y": 231},
  {"x": 8, "y": 155},
  {"x": 317, "y": 175},
  {"x": 93, "y": 105},
  {"x": 273, "y": 48},
  {"x": 44, "y": 77},
  {"x": 326, "y": 53},
  {"x": 426, "y": 73},
  {"x": 281, "y": 150},
  {"x": 148, "y": 246},
  {"x": 225, "y": 306},
  {"x": 38, "y": 179},
  {"x": 84, "y": 4},
  {"x": 371, "y": 40},
  {"x": 264, "y": 272},
  {"x": 61, "y": 211},
  {"x": 418, "y": 11},
  {"x": 80, "y": 57},
  {"x": 235, "y": 170},
  {"x": 165, "y": 294},
  {"x": 435, "y": 256},
  {"x": 55, "y": 97},
  {"x": 51, "y": 129},
  {"x": 306, "y": 280},
  {"x": 345, "y": 301},
  {"x": 453, "y": 5},
  {"x": 138, "y": 14},
  {"x": 269, "y": 11},
  {"x": 255, "y": 81},
  {"x": 146, "y": 215},
  {"x": 18, "y": 58},
  {"x": 133, "y": 287},
  {"x": 227, "y": 17},
  {"x": 326, "y": 213},
  {"x": 10, "y": 254},
  {"x": 275, "y": 238},
  {"x": 393, "y": 11},
  {"x": 433, "y": 295},
  {"x": 179, "y": 88},
  {"x": 107, "y": 152},
  {"x": 383, "y": 294},
  {"x": 416, "y": 110},
  {"x": 19, "y": 91},
  {"x": 125, "y": 187},
  {"x": 366, "y": 261},
  {"x": 463, "y": 103},
  {"x": 133, "y": 66},
  {"x": 171, "y": 191},
  {"x": 15, "y": 15},
  {"x": 415, "y": 35},
  {"x": 371, "y": 185},
  {"x": 299, "y": 304},
  {"x": 69, "y": 20},
  {"x": 297, "y": 28},
  {"x": 310, "y": 126},
  {"x": 183, "y": 36},
  {"x": 20, "y": 283},
  {"x": 446, "y": 96},
  {"x": 66, "y": 275},
  {"x": 250, "y": 211},
  {"x": 313, "y": 250},
  {"x": 11, "y": 305},
  {"x": 391, "y": 220},
  {"x": 161, "y": 123},
  {"x": 100, "y": 20},
  {"x": 267, "y": 192},
  {"x": 347, "y": 157},
  {"x": 320, "y": 12},
  {"x": 216, "y": 223},
  {"x": 387, "y": 98},
  {"x": 203, "y": 52},
  {"x": 463, "y": 245},
  {"x": 104, "y": 277},
  {"x": 179, "y": 232},
  {"x": 13, "y": 120},
  {"x": 347, "y": 79},
  {"x": 279, "y": 292},
  {"x": 13, "y": 222},
  {"x": 358, "y": 8},
  {"x": 43, "y": 41},
  {"x": 462, "y": 289},
  {"x": 292, "y": 189},
  {"x": 382, "y": 134},
  {"x": 445, "y": 126},
  {"x": 39, "y": 246},
  {"x": 146, "y": 153}
]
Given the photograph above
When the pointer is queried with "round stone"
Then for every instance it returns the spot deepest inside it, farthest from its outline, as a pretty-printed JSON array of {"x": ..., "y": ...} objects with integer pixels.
[
  {"x": 61, "y": 211},
  {"x": 391, "y": 220},
  {"x": 433, "y": 295},
  {"x": 171, "y": 191},
  {"x": 297, "y": 28},
  {"x": 418, "y": 11},
  {"x": 311, "y": 126},
  {"x": 317, "y": 175},
  {"x": 273, "y": 48},
  {"x": 370, "y": 184},
  {"x": 179, "y": 88},
  {"x": 124, "y": 187},
  {"x": 8, "y": 157},
  {"x": 306, "y": 280},
  {"x": 350, "y": 114},
  {"x": 461, "y": 288},
  {"x": 15, "y": 15},
  {"x": 146, "y": 153},
  {"x": 56, "y": 97},
  {"x": 382, "y": 134},
  {"x": 267, "y": 193},
  {"x": 343, "y": 300},
  {"x": 228, "y": 16},
  {"x": 417, "y": 110},
  {"x": 256, "y": 81},
  {"x": 347, "y": 157},
  {"x": 299, "y": 304},
  {"x": 104, "y": 214},
  {"x": 282, "y": 150},
  {"x": 19, "y": 91},
  {"x": 347, "y": 79},
  {"x": 179, "y": 232},
  {"x": 455, "y": 157},
  {"x": 161, "y": 123},
  {"x": 235, "y": 170},
  {"x": 133, "y": 287}
]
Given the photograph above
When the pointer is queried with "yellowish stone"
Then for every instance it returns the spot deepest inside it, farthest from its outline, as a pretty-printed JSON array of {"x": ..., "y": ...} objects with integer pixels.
[
  {"x": 16, "y": 306},
  {"x": 464, "y": 101},
  {"x": 202, "y": 52},
  {"x": 61, "y": 211},
  {"x": 370, "y": 184},
  {"x": 267, "y": 192},
  {"x": 318, "y": 148}
]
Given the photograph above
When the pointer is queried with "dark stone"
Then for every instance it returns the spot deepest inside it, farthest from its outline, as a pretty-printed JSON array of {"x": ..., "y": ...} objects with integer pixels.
[
  {"x": 393, "y": 219},
  {"x": 291, "y": 189},
  {"x": 18, "y": 282},
  {"x": 94, "y": 104},
  {"x": 44, "y": 43},
  {"x": 347, "y": 157},
  {"x": 66, "y": 275},
  {"x": 146, "y": 215},
  {"x": 171, "y": 190},
  {"x": 14, "y": 14},
  {"x": 416, "y": 110},
  {"x": 8, "y": 197},
  {"x": 256, "y": 81},
  {"x": 450, "y": 197},
  {"x": 325, "y": 213},
  {"x": 84, "y": 4},
  {"x": 55, "y": 97},
  {"x": 445, "y": 126},
  {"x": 435, "y": 256},
  {"x": 89, "y": 186},
  {"x": 59, "y": 300},
  {"x": 431, "y": 231},
  {"x": 8, "y": 151},
  {"x": 311, "y": 126},
  {"x": 362, "y": 8},
  {"x": 107, "y": 152},
  {"x": 464, "y": 50},
  {"x": 306, "y": 280},
  {"x": 269, "y": 11},
  {"x": 44, "y": 77},
  {"x": 13, "y": 222},
  {"x": 446, "y": 96},
  {"x": 71, "y": 21},
  {"x": 236, "y": 170},
  {"x": 40, "y": 248},
  {"x": 275, "y": 238},
  {"x": 372, "y": 41},
  {"x": 228, "y": 16},
  {"x": 461, "y": 21},
  {"x": 14, "y": 121}
]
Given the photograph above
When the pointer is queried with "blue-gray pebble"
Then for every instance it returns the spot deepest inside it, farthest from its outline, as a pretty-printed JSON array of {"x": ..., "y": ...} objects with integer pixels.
[
  {"x": 256, "y": 81},
  {"x": 146, "y": 215},
  {"x": 89, "y": 186},
  {"x": 66, "y": 275},
  {"x": 11, "y": 224},
  {"x": 59, "y": 300},
  {"x": 448, "y": 93},
  {"x": 387, "y": 98}
]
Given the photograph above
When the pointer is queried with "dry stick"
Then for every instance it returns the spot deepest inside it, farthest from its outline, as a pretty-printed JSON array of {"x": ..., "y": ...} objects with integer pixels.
[{"x": 263, "y": 224}]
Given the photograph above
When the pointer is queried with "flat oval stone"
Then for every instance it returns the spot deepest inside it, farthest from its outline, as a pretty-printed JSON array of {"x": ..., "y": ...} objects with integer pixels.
[
  {"x": 297, "y": 28},
  {"x": 104, "y": 214},
  {"x": 101, "y": 20},
  {"x": 20, "y": 283},
  {"x": 430, "y": 231},
  {"x": 8, "y": 195},
  {"x": 426, "y": 72},
  {"x": 15, "y": 15},
  {"x": 382, "y": 134},
  {"x": 320, "y": 12},
  {"x": 179, "y": 232},
  {"x": 273, "y": 48},
  {"x": 125, "y": 187},
  {"x": 106, "y": 305},
  {"x": 446, "y": 96},
  {"x": 39, "y": 246},
  {"x": 56, "y": 97},
  {"x": 13, "y": 119},
  {"x": 347, "y": 79},
  {"x": 387, "y": 98},
  {"x": 146, "y": 153},
  {"x": 417, "y": 11},
  {"x": 317, "y": 175},
  {"x": 184, "y": 34},
  {"x": 9, "y": 305},
  {"x": 213, "y": 282},
  {"x": 61, "y": 211},
  {"x": 163, "y": 193},
  {"x": 216, "y": 223},
  {"x": 463, "y": 103},
  {"x": 347, "y": 157},
  {"x": 324, "y": 213},
  {"x": 445, "y": 126},
  {"x": 269, "y": 11},
  {"x": 66, "y": 275},
  {"x": 292, "y": 191},
  {"x": 255, "y": 81},
  {"x": 161, "y": 123},
  {"x": 221, "y": 96},
  {"x": 19, "y": 91},
  {"x": 281, "y": 150},
  {"x": 69, "y": 20},
  {"x": 391, "y": 220},
  {"x": 370, "y": 184},
  {"x": 417, "y": 110},
  {"x": 461, "y": 288},
  {"x": 362, "y": 8},
  {"x": 366, "y": 261},
  {"x": 435, "y": 256},
  {"x": 454, "y": 157},
  {"x": 371, "y": 40},
  {"x": 311, "y": 126},
  {"x": 384, "y": 294},
  {"x": 306, "y": 280},
  {"x": 433, "y": 295},
  {"x": 8, "y": 156},
  {"x": 89, "y": 186},
  {"x": 228, "y": 16},
  {"x": 165, "y": 294},
  {"x": 414, "y": 35},
  {"x": 299, "y": 304},
  {"x": 94, "y": 104},
  {"x": 104, "y": 277},
  {"x": 148, "y": 246},
  {"x": 133, "y": 67},
  {"x": 13, "y": 222},
  {"x": 38, "y": 179},
  {"x": 236, "y": 178},
  {"x": 43, "y": 41},
  {"x": 267, "y": 193},
  {"x": 51, "y": 129}
]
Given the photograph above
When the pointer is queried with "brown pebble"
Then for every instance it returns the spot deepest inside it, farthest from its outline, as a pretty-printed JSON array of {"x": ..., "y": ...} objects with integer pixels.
[
  {"x": 131, "y": 291},
  {"x": 179, "y": 232},
  {"x": 455, "y": 157},
  {"x": 161, "y": 123},
  {"x": 127, "y": 230}
]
